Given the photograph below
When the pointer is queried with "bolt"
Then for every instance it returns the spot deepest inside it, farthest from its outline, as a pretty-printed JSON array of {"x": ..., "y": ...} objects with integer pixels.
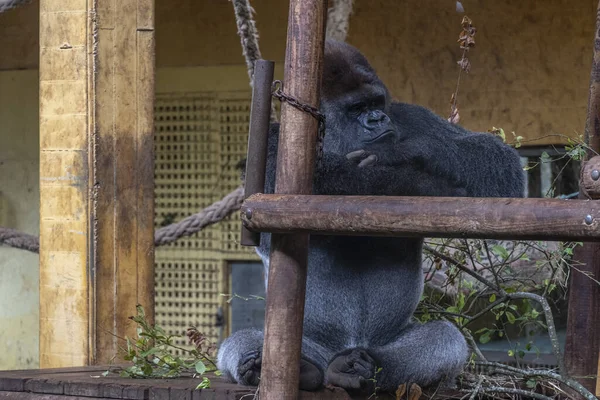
[
  {"x": 589, "y": 219},
  {"x": 595, "y": 174},
  {"x": 248, "y": 213}
]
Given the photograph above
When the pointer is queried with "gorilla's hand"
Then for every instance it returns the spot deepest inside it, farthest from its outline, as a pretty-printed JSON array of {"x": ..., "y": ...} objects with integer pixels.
[
  {"x": 353, "y": 369},
  {"x": 362, "y": 157},
  {"x": 250, "y": 366}
]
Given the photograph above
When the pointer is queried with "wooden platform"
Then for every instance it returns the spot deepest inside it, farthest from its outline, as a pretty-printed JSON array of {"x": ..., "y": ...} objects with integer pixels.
[{"x": 87, "y": 383}]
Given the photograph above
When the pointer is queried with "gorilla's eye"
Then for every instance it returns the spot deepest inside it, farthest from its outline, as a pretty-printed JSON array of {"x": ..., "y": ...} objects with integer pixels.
[{"x": 357, "y": 107}]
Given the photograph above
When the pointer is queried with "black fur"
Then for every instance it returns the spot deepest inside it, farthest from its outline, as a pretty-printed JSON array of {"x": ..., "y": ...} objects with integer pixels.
[{"x": 362, "y": 291}]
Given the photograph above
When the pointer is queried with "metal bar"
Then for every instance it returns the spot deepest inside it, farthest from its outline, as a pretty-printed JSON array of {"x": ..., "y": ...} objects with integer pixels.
[
  {"x": 295, "y": 165},
  {"x": 582, "y": 348},
  {"x": 256, "y": 160},
  {"x": 502, "y": 218}
]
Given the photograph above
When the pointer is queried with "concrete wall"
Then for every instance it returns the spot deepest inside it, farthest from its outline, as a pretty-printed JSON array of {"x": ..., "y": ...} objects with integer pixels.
[{"x": 19, "y": 209}]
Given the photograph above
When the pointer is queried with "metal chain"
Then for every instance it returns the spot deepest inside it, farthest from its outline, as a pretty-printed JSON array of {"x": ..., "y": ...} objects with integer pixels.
[{"x": 277, "y": 90}]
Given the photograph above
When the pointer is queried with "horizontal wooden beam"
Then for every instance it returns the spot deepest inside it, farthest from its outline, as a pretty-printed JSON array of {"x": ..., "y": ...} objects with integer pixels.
[{"x": 500, "y": 218}]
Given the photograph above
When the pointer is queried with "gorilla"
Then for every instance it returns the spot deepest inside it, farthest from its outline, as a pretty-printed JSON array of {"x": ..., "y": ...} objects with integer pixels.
[{"x": 362, "y": 291}]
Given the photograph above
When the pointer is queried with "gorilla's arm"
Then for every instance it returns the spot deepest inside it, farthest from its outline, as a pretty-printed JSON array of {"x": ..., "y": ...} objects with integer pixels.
[
  {"x": 340, "y": 176},
  {"x": 478, "y": 162}
]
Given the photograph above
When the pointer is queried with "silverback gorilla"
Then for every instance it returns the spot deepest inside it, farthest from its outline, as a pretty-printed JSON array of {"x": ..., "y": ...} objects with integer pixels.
[{"x": 362, "y": 291}]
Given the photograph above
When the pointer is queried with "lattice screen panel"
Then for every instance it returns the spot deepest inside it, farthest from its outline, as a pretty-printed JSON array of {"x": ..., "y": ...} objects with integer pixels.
[{"x": 199, "y": 139}]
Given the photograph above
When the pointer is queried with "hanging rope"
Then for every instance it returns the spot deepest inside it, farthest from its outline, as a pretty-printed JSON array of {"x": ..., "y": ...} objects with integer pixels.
[
  {"x": 246, "y": 28},
  {"x": 338, "y": 19},
  {"x": 248, "y": 34}
]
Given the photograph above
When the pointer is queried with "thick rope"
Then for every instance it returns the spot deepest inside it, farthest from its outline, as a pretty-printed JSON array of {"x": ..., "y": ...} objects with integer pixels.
[
  {"x": 338, "y": 19},
  {"x": 19, "y": 240},
  {"x": 248, "y": 34},
  {"x": 6, "y": 5},
  {"x": 195, "y": 223},
  {"x": 246, "y": 28}
]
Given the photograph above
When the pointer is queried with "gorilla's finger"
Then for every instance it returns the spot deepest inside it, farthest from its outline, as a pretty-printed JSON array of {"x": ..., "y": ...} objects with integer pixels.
[
  {"x": 345, "y": 381},
  {"x": 367, "y": 357},
  {"x": 372, "y": 159},
  {"x": 363, "y": 371},
  {"x": 355, "y": 155},
  {"x": 251, "y": 355}
]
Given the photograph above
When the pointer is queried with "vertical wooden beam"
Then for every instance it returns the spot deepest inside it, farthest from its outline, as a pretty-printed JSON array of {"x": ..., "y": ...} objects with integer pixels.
[
  {"x": 124, "y": 161},
  {"x": 258, "y": 135},
  {"x": 65, "y": 229},
  {"x": 295, "y": 167},
  {"x": 582, "y": 349},
  {"x": 96, "y": 175}
]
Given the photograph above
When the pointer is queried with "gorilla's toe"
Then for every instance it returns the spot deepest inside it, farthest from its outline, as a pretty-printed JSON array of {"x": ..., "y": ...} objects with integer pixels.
[
  {"x": 353, "y": 369},
  {"x": 249, "y": 368}
]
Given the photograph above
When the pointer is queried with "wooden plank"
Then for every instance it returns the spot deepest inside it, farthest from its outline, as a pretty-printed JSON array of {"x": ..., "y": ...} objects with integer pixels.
[
  {"x": 540, "y": 219},
  {"x": 96, "y": 176},
  {"x": 125, "y": 173},
  {"x": 64, "y": 190},
  {"x": 295, "y": 166},
  {"x": 38, "y": 396}
]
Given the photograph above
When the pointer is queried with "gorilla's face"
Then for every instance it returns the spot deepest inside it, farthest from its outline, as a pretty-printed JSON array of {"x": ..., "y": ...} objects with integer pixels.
[
  {"x": 355, "y": 103},
  {"x": 358, "y": 120}
]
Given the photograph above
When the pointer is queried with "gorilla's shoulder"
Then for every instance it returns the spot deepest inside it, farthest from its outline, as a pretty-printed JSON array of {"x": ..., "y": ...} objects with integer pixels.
[{"x": 416, "y": 118}]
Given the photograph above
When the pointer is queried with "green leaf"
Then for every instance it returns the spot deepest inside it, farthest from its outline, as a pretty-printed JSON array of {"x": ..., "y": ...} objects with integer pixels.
[
  {"x": 511, "y": 353},
  {"x": 500, "y": 251},
  {"x": 545, "y": 158},
  {"x": 147, "y": 370},
  {"x": 531, "y": 383},
  {"x": 493, "y": 298},
  {"x": 205, "y": 384},
  {"x": 485, "y": 338},
  {"x": 200, "y": 367},
  {"x": 511, "y": 318},
  {"x": 105, "y": 373},
  {"x": 151, "y": 351}
]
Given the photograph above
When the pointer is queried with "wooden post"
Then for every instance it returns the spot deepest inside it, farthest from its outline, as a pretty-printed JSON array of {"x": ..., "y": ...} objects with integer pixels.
[
  {"x": 295, "y": 166},
  {"x": 258, "y": 136},
  {"x": 96, "y": 176},
  {"x": 582, "y": 349}
]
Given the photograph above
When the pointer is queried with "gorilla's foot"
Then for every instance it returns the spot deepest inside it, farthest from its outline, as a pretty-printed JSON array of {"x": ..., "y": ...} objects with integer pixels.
[
  {"x": 353, "y": 369},
  {"x": 311, "y": 377},
  {"x": 250, "y": 366}
]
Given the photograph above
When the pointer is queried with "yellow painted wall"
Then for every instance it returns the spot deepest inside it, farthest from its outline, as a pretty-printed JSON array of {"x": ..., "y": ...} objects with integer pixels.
[
  {"x": 530, "y": 69},
  {"x": 19, "y": 209}
]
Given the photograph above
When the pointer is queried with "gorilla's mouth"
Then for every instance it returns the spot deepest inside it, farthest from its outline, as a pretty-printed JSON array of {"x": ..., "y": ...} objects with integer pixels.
[{"x": 382, "y": 135}]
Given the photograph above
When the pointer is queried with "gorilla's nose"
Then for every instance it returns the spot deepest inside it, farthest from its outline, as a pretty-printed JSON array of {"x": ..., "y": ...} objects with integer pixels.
[{"x": 375, "y": 116}]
